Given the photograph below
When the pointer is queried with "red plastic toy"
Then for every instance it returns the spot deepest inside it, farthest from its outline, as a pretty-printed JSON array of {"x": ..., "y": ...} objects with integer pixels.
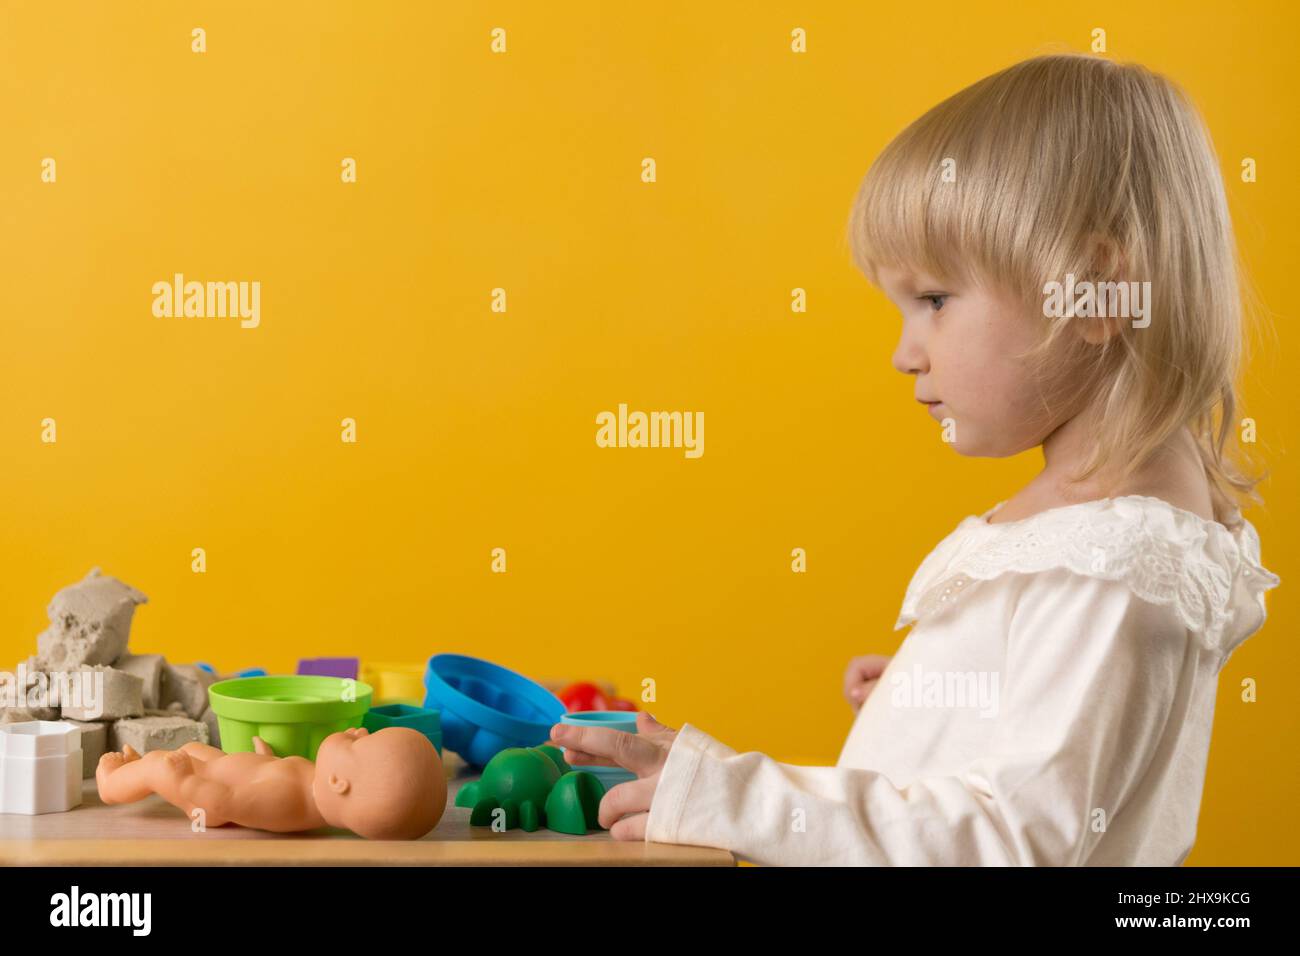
[{"x": 584, "y": 696}]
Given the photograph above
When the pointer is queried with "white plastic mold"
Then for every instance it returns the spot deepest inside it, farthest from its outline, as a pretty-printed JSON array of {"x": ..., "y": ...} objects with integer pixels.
[{"x": 40, "y": 767}]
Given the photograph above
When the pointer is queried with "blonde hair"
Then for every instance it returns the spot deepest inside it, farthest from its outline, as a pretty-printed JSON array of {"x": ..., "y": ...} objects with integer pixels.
[{"x": 1067, "y": 164}]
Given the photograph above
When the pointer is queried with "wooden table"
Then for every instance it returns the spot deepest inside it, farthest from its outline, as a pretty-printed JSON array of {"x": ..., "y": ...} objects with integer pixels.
[{"x": 154, "y": 833}]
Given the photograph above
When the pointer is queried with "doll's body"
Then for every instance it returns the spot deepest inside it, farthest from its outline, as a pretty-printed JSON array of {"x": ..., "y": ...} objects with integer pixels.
[
  {"x": 389, "y": 785},
  {"x": 253, "y": 790}
]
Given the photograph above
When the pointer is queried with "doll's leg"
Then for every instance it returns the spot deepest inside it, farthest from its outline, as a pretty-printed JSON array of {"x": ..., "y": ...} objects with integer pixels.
[{"x": 170, "y": 774}]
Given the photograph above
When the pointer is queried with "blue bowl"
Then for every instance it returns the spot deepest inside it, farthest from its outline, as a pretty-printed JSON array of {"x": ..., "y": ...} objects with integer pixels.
[{"x": 485, "y": 708}]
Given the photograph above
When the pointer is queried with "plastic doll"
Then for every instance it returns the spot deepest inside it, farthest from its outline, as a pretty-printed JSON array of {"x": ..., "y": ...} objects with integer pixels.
[{"x": 388, "y": 785}]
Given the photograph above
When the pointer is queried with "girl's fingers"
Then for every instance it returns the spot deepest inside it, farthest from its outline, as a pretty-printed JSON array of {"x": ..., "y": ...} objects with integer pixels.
[
  {"x": 576, "y": 758},
  {"x": 863, "y": 690},
  {"x": 862, "y": 669},
  {"x": 651, "y": 729},
  {"x": 631, "y": 828},
  {"x": 855, "y": 690},
  {"x": 626, "y": 750},
  {"x": 624, "y": 798},
  {"x": 859, "y": 694},
  {"x": 852, "y": 677},
  {"x": 647, "y": 728},
  {"x": 875, "y": 666}
]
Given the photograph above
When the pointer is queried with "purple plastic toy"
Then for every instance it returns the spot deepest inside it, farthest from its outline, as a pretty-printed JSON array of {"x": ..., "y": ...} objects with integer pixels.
[{"x": 342, "y": 667}]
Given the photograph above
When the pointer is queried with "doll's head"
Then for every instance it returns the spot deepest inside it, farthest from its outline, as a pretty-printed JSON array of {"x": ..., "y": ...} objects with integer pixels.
[
  {"x": 388, "y": 785},
  {"x": 989, "y": 218}
]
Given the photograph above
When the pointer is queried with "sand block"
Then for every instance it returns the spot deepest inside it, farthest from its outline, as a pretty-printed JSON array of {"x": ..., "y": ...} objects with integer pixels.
[
  {"x": 186, "y": 685},
  {"x": 156, "y": 733},
  {"x": 27, "y": 693},
  {"x": 90, "y": 622},
  {"x": 121, "y": 695},
  {"x": 22, "y": 715},
  {"x": 94, "y": 743},
  {"x": 149, "y": 668},
  {"x": 214, "y": 728},
  {"x": 18, "y": 704},
  {"x": 175, "y": 710}
]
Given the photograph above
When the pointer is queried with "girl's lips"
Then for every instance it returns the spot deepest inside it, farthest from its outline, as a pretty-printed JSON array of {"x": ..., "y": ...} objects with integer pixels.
[{"x": 933, "y": 408}]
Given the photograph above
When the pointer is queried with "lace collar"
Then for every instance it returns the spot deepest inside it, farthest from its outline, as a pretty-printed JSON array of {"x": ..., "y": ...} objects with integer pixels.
[{"x": 1209, "y": 574}]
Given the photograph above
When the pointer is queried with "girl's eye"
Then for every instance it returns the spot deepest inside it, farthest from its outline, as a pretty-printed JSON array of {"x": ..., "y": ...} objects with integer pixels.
[{"x": 936, "y": 300}]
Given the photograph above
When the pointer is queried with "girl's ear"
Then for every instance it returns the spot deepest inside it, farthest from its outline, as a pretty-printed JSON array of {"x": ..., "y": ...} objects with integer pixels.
[
  {"x": 1106, "y": 259},
  {"x": 1096, "y": 330},
  {"x": 1107, "y": 263}
]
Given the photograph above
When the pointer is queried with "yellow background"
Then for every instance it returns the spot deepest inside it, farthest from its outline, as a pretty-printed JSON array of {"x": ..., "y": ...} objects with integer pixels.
[{"x": 476, "y": 429}]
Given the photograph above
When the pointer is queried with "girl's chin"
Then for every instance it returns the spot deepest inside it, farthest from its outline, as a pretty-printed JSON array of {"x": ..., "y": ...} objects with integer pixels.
[{"x": 973, "y": 447}]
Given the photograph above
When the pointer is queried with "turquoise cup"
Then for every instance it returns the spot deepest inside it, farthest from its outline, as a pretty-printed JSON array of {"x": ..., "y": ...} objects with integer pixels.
[{"x": 614, "y": 720}]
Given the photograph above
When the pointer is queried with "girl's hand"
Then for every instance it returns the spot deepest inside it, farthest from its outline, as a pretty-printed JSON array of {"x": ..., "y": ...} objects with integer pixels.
[
  {"x": 625, "y": 808},
  {"x": 861, "y": 677}
]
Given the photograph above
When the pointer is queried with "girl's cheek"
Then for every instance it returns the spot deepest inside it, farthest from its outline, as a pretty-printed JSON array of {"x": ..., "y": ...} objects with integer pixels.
[{"x": 959, "y": 366}]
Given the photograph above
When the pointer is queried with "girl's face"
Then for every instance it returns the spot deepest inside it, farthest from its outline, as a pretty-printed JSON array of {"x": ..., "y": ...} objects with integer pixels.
[{"x": 962, "y": 344}]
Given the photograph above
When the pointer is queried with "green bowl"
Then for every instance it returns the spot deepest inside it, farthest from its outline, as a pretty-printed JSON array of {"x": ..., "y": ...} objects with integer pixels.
[{"x": 291, "y": 713}]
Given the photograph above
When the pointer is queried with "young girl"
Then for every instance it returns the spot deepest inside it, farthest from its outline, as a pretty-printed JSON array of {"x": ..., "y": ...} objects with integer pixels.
[{"x": 1052, "y": 703}]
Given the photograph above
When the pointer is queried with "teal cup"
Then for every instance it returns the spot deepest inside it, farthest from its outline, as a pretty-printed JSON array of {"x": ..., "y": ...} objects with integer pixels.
[{"x": 622, "y": 720}]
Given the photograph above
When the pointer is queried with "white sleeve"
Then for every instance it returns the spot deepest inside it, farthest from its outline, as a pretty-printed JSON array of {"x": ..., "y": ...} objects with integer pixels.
[{"x": 1091, "y": 676}]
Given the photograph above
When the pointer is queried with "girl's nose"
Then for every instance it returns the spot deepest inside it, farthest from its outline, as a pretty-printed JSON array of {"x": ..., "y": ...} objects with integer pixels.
[{"x": 909, "y": 358}]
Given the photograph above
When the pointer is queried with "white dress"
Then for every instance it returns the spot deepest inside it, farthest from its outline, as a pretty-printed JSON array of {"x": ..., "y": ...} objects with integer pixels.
[{"x": 1051, "y": 705}]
